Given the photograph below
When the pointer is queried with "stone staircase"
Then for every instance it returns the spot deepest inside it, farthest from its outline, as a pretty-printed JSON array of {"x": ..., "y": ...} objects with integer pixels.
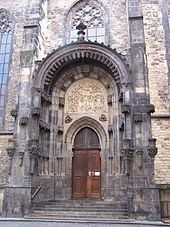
[{"x": 79, "y": 210}]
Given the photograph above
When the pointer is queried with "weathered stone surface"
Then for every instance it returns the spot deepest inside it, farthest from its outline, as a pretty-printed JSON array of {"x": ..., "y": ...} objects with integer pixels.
[{"x": 123, "y": 81}]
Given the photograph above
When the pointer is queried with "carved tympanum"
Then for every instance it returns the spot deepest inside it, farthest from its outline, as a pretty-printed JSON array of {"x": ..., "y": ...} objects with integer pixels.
[{"x": 86, "y": 96}]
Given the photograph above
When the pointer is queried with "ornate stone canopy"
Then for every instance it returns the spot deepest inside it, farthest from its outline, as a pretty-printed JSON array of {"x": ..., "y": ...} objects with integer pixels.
[{"x": 80, "y": 53}]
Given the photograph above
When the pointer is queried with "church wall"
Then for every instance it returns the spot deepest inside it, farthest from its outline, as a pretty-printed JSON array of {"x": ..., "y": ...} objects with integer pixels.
[
  {"x": 119, "y": 35},
  {"x": 158, "y": 85},
  {"x": 57, "y": 11}
]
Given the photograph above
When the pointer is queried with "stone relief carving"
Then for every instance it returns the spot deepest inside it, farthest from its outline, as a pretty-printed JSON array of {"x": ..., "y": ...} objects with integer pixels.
[
  {"x": 103, "y": 118},
  {"x": 86, "y": 96}
]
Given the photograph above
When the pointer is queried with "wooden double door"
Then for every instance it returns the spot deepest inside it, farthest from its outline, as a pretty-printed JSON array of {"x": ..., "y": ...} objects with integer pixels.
[{"x": 86, "y": 167}]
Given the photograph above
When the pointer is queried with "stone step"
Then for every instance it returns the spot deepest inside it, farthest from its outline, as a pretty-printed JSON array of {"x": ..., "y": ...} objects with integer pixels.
[
  {"x": 78, "y": 206},
  {"x": 96, "y": 209},
  {"x": 75, "y": 209},
  {"x": 79, "y": 215},
  {"x": 82, "y": 204}
]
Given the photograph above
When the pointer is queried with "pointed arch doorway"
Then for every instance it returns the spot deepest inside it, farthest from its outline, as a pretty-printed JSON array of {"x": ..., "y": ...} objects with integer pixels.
[{"x": 86, "y": 165}]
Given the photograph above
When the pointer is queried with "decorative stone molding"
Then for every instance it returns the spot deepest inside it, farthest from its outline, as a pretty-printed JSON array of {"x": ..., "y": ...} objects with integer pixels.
[
  {"x": 127, "y": 144},
  {"x": 152, "y": 149},
  {"x": 150, "y": 108},
  {"x": 140, "y": 154},
  {"x": 21, "y": 157},
  {"x": 59, "y": 158},
  {"x": 152, "y": 142},
  {"x": 152, "y": 152},
  {"x": 125, "y": 109},
  {"x": 46, "y": 97},
  {"x": 110, "y": 128},
  {"x": 68, "y": 119},
  {"x": 6, "y": 22},
  {"x": 14, "y": 113},
  {"x": 36, "y": 111},
  {"x": 121, "y": 96},
  {"x": 10, "y": 151},
  {"x": 33, "y": 151},
  {"x": 44, "y": 125},
  {"x": 23, "y": 121},
  {"x": 79, "y": 52},
  {"x": 103, "y": 118},
  {"x": 138, "y": 117},
  {"x": 60, "y": 129},
  {"x": 109, "y": 99},
  {"x": 86, "y": 122},
  {"x": 127, "y": 155},
  {"x": 122, "y": 123},
  {"x": 61, "y": 101}
]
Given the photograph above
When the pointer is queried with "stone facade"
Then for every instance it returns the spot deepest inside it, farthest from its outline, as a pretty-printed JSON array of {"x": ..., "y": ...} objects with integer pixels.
[{"x": 119, "y": 88}]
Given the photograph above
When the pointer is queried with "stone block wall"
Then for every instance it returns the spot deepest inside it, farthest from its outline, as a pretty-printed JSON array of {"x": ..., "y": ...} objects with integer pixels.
[{"x": 159, "y": 89}]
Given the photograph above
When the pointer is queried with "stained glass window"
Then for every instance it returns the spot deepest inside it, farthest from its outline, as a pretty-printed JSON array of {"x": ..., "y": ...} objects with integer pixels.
[
  {"x": 5, "y": 51},
  {"x": 90, "y": 15}
]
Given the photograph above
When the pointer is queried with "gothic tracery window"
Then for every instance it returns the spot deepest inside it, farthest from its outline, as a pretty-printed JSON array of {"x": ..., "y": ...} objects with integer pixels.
[
  {"x": 5, "y": 50},
  {"x": 92, "y": 16}
]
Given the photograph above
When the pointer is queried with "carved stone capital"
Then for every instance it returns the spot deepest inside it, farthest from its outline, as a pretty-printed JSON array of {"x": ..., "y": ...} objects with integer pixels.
[
  {"x": 109, "y": 99},
  {"x": 23, "y": 121},
  {"x": 61, "y": 101},
  {"x": 127, "y": 144},
  {"x": 138, "y": 117},
  {"x": 60, "y": 129},
  {"x": 14, "y": 112},
  {"x": 36, "y": 111},
  {"x": 46, "y": 97},
  {"x": 110, "y": 128},
  {"x": 127, "y": 153},
  {"x": 44, "y": 125},
  {"x": 125, "y": 109},
  {"x": 152, "y": 142},
  {"x": 139, "y": 152},
  {"x": 152, "y": 151},
  {"x": 150, "y": 108},
  {"x": 10, "y": 151},
  {"x": 33, "y": 151},
  {"x": 122, "y": 123}
]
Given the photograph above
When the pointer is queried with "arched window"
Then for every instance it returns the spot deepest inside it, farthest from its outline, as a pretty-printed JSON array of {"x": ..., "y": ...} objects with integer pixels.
[
  {"x": 5, "y": 51},
  {"x": 90, "y": 14}
]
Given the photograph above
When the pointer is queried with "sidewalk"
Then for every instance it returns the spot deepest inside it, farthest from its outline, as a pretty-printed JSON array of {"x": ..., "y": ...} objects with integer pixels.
[{"x": 73, "y": 223}]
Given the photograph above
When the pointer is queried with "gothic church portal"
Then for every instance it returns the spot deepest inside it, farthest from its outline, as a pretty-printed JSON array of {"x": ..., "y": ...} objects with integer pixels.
[{"x": 79, "y": 88}]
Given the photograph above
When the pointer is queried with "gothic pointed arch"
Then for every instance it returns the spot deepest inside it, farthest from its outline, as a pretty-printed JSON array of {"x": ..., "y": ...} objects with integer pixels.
[
  {"x": 81, "y": 123},
  {"x": 6, "y": 33},
  {"x": 91, "y": 13}
]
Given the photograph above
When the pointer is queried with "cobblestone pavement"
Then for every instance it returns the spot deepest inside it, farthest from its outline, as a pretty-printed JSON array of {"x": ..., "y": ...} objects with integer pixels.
[{"x": 60, "y": 223}]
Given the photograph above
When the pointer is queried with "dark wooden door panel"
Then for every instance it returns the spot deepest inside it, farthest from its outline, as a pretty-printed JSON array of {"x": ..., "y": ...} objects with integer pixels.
[
  {"x": 79, "y": 181},
  {"x": 94, "y": 174},
  {"x": 86, "y": 165}
]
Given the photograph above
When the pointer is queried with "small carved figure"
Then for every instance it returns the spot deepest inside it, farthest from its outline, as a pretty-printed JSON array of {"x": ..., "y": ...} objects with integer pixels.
[
  {"x": 68, "y": 119},
  {"x": 103, "y": 118}
]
